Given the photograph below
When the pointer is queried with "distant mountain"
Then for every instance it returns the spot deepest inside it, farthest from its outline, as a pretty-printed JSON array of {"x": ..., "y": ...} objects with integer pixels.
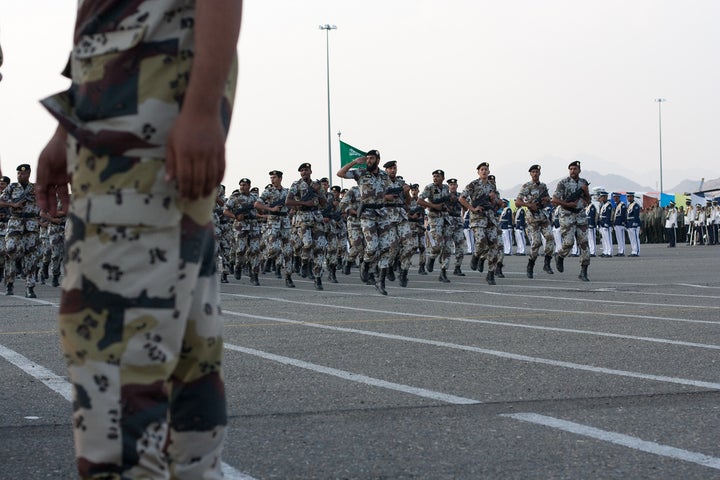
[
  {"x": 691, "y": 186},
  {"x": 610, "y": 183}
]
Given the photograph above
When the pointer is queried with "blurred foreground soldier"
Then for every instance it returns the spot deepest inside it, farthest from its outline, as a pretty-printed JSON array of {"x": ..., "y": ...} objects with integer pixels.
[
  {"x": 632, "y": 224},
  {"x": 535, "y": 196},
  {"x": 482, "y": 200},
  {"x": 22, "y": 237},
  {"x": 572, "y": 196},
  {"x": 671, "y": 224},
  {"x": 4, "y": 216},
  {"x": 378, "y": 231},
  {"x": 308, "y": 229},
  {"x": 144, "y": 122}
]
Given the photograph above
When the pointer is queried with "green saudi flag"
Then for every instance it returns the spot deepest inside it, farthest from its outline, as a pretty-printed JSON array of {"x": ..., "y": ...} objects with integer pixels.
[{"x": 348, "y": 153}]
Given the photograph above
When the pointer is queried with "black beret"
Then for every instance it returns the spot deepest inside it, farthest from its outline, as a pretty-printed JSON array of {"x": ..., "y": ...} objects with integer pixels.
[
  {"x": 452, "y": 180},
  {"x": 304, "y": 165},
  {"x": 374, "y": 153},
  {"x": 576, "y": 163},
  {"x": 482, "y": 164},
  {"x": 438, "y": 172},
  {"x": 534, "y": 167},
  {"x": 335, "y": 188},
  {"x": 244, "y": 180},
  {"x": 324, "y": 180},
  {"x": 23, "y": 168},
  {"x": 389, "y": 164},
  {"x": 415, "y": 186},
  {"x": 491, "y": 178},
  {"x": 277, "y": 173},
  {"x": 5, "y": 179}
]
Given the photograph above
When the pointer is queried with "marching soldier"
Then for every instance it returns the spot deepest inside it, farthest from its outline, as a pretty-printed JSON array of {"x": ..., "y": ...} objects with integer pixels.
[
  {"x": 535, "y": 196},
  {"x": 277, "y": 231},
  {"x": 571, "y": 196},
  {"x": 224, "y": 235},
  {"x": 4, "y": 217},
  {"x": 457, "y": 225},
  {"x": 435, "y": 197},
  {"x": 397, "y": 209},
  {"x": 241, "y": 208},
  {"x": 416, "y": 214},
  {"x": 56, "y": 241},
  {"x": 350, "y": 207},
  {"x": 307, "y": 228},
  {"x": 22, "y": 236},
  {"x": 481, "y": 198}
]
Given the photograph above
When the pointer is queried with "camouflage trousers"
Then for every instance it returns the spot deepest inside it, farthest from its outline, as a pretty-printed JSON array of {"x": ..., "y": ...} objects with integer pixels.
[
  {"x": 224, "y": 244},
  {"x": 277, "y": 244},
  {"x": 406, "y": 245},
  {"x": 309, "y": 243},
  {"x": 536, "y": 232},
  {"x": 333, "y": 245},
  {"x": 441, "y": 241},
  {"x": 56, "y": 239},
  {"x": 356, "y": 240},
  {"x": 22, "y": 248},
  {"x": 458, "y": 238},
  {"x": 421, "y": 236},
  {"x": 379, "y": 234},
  {"x": 573, "y": 226},
  {"x": 140, "y": 325},
  {"x": 485, "y": 236},
  {"x": 247, "y": 249}
]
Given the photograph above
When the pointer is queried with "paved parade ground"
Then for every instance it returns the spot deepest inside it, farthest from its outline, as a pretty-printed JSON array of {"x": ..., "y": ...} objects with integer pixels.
[{"x": 544, "y": 378}]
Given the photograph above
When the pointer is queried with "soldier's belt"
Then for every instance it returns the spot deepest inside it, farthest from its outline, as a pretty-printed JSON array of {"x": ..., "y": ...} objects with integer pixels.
[
  {"x": 23, "y": 215},
  {"x": 373, "y": 206},
  {"x": 308, "y": 209},
  {"x": 278, "y": 214}
]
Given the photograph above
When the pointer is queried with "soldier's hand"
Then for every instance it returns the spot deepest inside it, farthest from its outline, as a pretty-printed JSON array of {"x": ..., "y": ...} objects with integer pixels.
[
  {"x": 195, "y": 153},
  {"x": 52, "y": 177}
]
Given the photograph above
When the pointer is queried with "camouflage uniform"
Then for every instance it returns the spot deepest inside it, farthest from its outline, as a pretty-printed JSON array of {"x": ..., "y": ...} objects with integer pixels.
[
  {"x": 440, "y": 227},
  {"x": 139, "y": 317},
  {"x": 247, "y": 234},
  {"x": 308, "y": 231},
  {"x": 22, "y": 237},
  {"x": 573, "y": 223},
  {"x": 458, "y": 234},
  {"x": 277, "y": 230},
  {"x": 349, "y": 205},
  {"x": 484, "y": 223},
  {"x": 406, "y": 241},
  {"x": 4, "y": 216},
  {"x": 416, "y": 214},
  {"x": 223, "y": 234},
  {"x": 538, "y": 224},
  {"x": 331, "y": 214}
]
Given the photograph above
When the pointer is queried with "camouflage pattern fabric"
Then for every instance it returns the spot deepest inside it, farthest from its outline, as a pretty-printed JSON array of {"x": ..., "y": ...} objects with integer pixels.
[
  {"x": 22, "y": 233},
  {"x": 573, "y": 225},
  {"x": 483, "y": 224},
  {"x": 439, "y": 235}
]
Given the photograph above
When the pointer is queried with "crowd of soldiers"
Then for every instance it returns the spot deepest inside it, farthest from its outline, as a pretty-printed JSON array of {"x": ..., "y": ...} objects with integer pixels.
[{"x": 314, "y": 230}]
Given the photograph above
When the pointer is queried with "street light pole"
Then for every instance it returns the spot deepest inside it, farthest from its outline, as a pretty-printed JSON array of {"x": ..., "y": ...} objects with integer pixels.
[
  {"x": 659, "y": 102},
  {"x": 327, "y": 29}
]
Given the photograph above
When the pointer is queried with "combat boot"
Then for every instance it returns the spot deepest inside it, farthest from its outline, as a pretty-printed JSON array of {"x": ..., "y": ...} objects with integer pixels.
[
  {"x": 223, "y": 278},
  {"x": 296, "y": 264},
  {"x": 346, "y": 267},
  {"x": 490, "y": 277},
  {"x": 458, "y": 272},
  {"x": 304, "y": 269},
  {"x": 288, "y": 281},
  {"x": 498, "y": 270},
  {"x": 583, "y": 273},
  {"x": 56, "y": 281},
  {"x": 238, "y": 271},
  {"x": 421, "y": 269},
  {"x": 474, "y": 262},
  {"x": 231, "y": 268},
  {"x": 430, "y": 264},
  {"x": 391, "y": 274},
  {"x": 380, "y": 286},
  {"x": 9, "y": 290},
  {"x": 365, "y": 272},
  {"x": 44, "y": 272},
  {"x": 403, "y": 278},
  {"x": 560, "y": 263},
  {"x": 530, "y": 267},
  {"x": 30, "y": 292},
  {"x": 371, "y": 279},
  {"x": 318, "y": 283},
  {"x": 254, "y": 278},
  {"x": 443, "y": 276},
  {"x": 546, "y": 266},
  {"x": 331, "y": 273},
  {"x": 278, "y": 271},
  {"x": 481, "y": 265}
]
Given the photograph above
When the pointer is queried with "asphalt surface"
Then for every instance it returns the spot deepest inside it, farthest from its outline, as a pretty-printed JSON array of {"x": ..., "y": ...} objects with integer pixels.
[{"x": 544, "y": 378}]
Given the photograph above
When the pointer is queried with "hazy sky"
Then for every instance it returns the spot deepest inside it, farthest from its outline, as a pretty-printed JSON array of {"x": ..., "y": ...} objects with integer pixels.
[{"x": 434, "y": 84}]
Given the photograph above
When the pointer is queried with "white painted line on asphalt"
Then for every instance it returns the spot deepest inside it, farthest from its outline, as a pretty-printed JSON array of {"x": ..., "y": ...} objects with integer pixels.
[
  {"x": 354, "y": 377},
  {"x": 495, "y": 353},
  {"x": 54, "y": 382},
  {"x": 509, "y": 324},
  {"x": 61, "y": 386},
  {"x": 618, "y": 439}
]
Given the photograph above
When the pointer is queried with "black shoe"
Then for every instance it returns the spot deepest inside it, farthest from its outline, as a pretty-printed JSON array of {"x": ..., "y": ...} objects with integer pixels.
[
  {"x": 546, "y": 266},
  {"x": 443, "y": 276},
  {"x": 254, "y": 279},
  {"x": 481, "y": 265},
  {"x": 619, "y": 254},
  {"x": 430, "y": 264},
  {"x": 318, "y": 283},
  {"x": 30, "y": 292},
  {"x": 583, "y": 273},
  {"x": 474, "y": 262},
  {"x": 56, "y": 281},
  {"x": 498, "y": 271},
  {"x": 559, "y": 264},
  {"x": 421, "y": 269},
  {"x": 10, "y": 290},
  {"x": 490, "y": 277},
  {"x": 223, "y": 278},
  {"x": 288, "y": 282},
  {"x": 458, "y": 272}
]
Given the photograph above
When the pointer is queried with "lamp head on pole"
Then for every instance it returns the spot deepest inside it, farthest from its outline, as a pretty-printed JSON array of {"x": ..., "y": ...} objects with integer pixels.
[
  {"x": 660, "y": 100},
  {"x": 327, "y": 27}
]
